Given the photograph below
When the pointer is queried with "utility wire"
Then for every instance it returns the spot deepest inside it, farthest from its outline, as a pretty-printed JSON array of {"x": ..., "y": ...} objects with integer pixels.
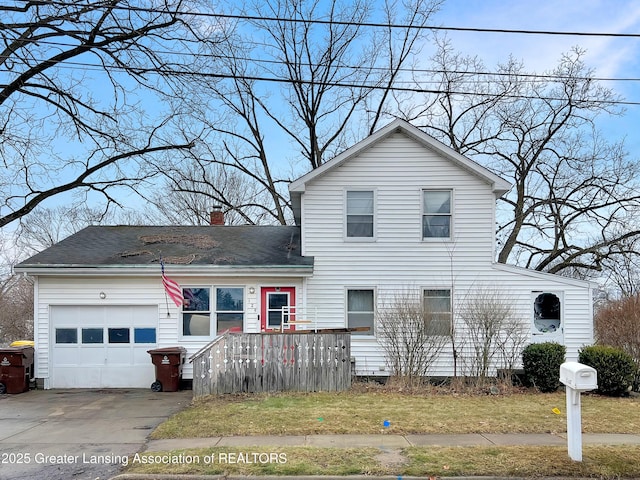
[
  {"x": 254, "y": 18},
  {"x": 361, "y": 86},
  {"x": 535, "y": 76}
]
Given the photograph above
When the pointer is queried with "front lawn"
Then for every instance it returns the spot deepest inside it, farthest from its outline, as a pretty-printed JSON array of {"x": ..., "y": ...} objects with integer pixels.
[
  {"x": 362, "y": 412},
  {"x": 375, "y": 411}
]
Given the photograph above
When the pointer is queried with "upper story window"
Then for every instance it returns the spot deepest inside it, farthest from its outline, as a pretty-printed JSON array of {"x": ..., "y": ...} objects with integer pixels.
[
  {"x": 360, "y": 214},
  {"x": 436, "y": 214}
]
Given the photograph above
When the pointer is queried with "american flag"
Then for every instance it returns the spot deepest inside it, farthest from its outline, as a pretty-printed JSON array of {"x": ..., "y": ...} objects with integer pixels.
[{"x": 171, "y": 287}]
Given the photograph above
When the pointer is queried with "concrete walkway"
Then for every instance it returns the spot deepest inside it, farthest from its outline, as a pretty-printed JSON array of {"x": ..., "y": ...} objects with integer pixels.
[{"x": 387, "y": 441}]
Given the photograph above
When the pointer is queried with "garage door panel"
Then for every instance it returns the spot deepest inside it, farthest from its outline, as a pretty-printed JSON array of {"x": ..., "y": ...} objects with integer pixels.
[
  {"x": 140, "y": 355},
  {"x": 100, "y": 349},
  {"x": 66, "y": 355},
  {"x": 91, "y": 355},
  {"x": 119, "y": 355}
]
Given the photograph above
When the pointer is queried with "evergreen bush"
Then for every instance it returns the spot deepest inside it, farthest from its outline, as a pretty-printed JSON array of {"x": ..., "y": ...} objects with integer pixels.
[
  {"x": 616, "y": 368},
  {"x": 541, "y": 362}
]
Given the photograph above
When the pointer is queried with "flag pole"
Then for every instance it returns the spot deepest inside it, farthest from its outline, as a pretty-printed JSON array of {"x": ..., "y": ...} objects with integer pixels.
[
  {"x": 166, "y": 297},
  {"x": 172, "y": 289}
]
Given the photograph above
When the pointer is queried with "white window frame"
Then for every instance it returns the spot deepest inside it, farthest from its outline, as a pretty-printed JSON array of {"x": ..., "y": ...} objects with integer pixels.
[
  {"x": 373, "y": 215},
  {"x": 209, "y": 312},
  {"x": 215, "y": 311},
  {"x": 347, "y": 311},
  {"x": 423, "y": 213},
  {"x": 538, "y": 324},
  {"x": 450, "y": 312}
]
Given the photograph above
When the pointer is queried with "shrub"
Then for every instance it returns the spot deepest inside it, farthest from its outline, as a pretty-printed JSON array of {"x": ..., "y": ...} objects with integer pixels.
[
  {"x": 411, "y": 337},
  {"x": 616, "y": 368},
  {"x": 617, "y": 323},
  {"x": 541, "y": 362}
]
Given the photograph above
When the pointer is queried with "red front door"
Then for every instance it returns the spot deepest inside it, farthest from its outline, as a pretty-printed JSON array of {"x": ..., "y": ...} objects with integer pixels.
[{"x": 277, "y": 308}]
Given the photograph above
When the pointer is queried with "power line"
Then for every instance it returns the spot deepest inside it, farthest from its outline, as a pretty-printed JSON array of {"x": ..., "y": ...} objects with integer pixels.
[
  {"x": 365, "y": 87},
  {"x": 535, "y": 76},
  {"x": 256, "y": 18}
]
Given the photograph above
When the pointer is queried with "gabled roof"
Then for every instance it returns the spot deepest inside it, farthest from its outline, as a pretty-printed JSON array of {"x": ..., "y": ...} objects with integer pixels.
[
  {"x": 499, "y": 185},
  {"x": 185, "y": 248}
]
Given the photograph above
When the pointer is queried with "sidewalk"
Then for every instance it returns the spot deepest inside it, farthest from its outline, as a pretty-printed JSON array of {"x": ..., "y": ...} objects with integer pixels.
[{"x": 388, "y": 441}]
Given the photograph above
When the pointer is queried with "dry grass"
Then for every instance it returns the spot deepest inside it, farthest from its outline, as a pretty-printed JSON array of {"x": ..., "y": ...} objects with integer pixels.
[
  {"x": 364, "y": 412},
  {"x": 599, "y": 462}
]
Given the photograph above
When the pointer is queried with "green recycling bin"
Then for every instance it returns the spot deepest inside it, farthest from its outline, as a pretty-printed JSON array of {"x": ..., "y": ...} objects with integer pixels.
[
  {"x": 16, "y": 369},
  {"x": 168, "y": 362}
]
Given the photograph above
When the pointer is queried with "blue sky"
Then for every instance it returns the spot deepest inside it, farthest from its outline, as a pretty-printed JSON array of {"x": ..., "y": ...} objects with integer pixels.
[{"x": 610, "y": 57}]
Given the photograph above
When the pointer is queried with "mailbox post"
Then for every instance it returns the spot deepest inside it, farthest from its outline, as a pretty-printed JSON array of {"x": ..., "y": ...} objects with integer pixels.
[{"x": 577, "y": 378}]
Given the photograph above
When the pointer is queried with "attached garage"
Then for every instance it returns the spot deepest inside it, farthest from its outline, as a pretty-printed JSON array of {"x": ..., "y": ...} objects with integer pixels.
[{"x": 99, "y": 346}]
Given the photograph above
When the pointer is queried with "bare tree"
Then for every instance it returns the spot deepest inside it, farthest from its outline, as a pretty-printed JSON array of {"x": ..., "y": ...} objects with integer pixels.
[
  {"x": 623, "y": 268},
  {"x": 16, "y": 295},
  {"x": 331, "y": 78},
  {"x": 82, "y": 91},
  {"x": 575, "y": 196},
  {"x": 411, "y": 336},
  {"x": 495, "y": 336},
  {"x": 16, "y": 309},
  {"x": 190, "y": 193},
  {"x": 45, "y": 227},
  {"x": 617, "y": 323}
]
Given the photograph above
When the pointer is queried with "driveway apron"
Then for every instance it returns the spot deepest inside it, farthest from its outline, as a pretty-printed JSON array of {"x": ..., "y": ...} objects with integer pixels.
[{"x": 79, "y": 434}]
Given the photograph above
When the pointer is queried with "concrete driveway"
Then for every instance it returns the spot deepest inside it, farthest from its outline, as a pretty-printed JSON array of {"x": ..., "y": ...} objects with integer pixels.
[{"x": 79, "y": 434}]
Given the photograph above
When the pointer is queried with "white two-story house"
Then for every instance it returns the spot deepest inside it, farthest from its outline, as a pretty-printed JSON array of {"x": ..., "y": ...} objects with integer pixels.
[{"x": 398, "y": 211}]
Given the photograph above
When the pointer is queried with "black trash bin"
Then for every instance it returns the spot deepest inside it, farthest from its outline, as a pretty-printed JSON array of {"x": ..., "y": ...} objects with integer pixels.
[
  {"x": 168, "y": 362},
  {"x": 16, "y": 369}
]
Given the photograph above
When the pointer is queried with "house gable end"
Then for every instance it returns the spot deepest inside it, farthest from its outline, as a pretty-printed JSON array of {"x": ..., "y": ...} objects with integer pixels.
[{"x": 297, "y": 187}]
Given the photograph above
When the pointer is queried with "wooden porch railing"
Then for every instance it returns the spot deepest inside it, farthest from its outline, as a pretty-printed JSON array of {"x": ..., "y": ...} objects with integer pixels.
[{"x": 273, "y": 362}]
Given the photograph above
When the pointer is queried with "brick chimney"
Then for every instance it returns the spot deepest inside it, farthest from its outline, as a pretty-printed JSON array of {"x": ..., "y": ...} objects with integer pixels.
[{"x": 216, "y": 217}]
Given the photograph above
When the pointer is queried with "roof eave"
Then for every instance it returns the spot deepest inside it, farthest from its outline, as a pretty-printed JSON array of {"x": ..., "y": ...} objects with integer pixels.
[
  {"x": 172, "y": 270},
  {"x": 576, "y": 282}
]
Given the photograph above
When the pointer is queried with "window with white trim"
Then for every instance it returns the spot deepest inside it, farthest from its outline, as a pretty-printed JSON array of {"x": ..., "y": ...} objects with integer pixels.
[
  {"x": 196, "y": 311},
  {"x": 359, "y": 210},
  {"x": 360, "y": 310},
  {"x": 436, "y": 214},
  {"x": 437, "y": 311},
  {"x": 547, "y": 313},
  {"x": 229, "y": 309}
]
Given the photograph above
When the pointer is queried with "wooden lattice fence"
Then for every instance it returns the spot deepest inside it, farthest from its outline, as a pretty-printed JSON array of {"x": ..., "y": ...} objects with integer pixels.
[{"x": 255, "y": 362}]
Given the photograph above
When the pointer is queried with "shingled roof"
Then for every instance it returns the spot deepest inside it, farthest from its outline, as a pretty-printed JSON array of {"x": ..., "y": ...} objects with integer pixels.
[{"x": 238, "y": 246}]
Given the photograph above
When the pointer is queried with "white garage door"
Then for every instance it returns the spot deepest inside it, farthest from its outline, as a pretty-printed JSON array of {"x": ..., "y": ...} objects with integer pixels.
[{"x": 102, "y": 346}]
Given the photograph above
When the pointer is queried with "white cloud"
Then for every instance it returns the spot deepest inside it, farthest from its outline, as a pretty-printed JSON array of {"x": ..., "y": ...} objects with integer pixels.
[{"x": 609, "y": 56}]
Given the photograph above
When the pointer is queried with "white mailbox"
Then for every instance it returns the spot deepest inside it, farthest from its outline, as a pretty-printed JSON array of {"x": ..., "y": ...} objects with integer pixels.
[{"x": 578, "y": 376}]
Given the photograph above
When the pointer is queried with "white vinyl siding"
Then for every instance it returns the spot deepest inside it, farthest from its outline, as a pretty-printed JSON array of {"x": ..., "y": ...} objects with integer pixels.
[
  {"x": 131, "y": 291},
  {"x": 399, "y": 170}
]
